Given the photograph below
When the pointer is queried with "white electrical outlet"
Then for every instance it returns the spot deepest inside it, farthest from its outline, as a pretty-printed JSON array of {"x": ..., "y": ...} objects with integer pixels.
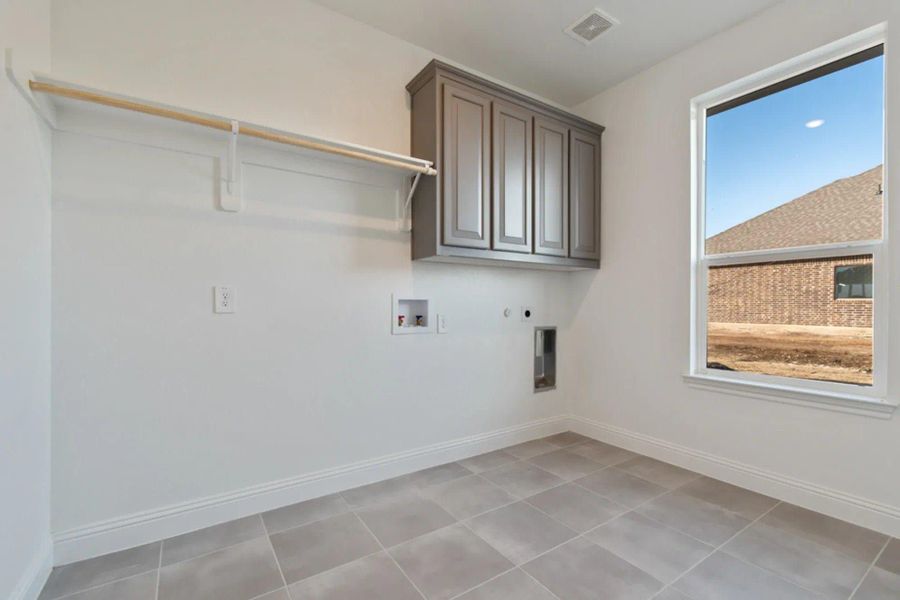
[
  {"x": 224, "y": 299},
  {"x": 442, "y": 323},
  {"x": 527, "y": 313}
]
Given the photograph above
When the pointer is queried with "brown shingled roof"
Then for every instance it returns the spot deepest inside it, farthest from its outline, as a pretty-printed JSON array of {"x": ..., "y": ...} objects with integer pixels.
[{"x": 846, "y": 210}]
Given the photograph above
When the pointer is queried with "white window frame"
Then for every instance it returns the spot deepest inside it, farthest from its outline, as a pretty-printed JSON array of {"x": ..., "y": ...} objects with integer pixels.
[{"x": 841, "y": 396}]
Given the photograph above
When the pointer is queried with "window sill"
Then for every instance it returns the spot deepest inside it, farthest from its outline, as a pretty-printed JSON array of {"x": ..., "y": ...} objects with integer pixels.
[{"x": 846, "y": 403}]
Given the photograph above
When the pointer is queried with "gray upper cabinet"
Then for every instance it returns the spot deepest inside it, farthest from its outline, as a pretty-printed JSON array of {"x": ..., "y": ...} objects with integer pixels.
[
  {"x": 551, "y": 183},
  {"x": 466, "y": 167},
  {"x": 518, "y": 180},
  {"x": 512, "y": 178},
  {"x": 584, "y": 195}
]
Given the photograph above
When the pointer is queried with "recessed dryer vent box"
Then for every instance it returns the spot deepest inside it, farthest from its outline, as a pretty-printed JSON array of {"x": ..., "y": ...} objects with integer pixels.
[
  {"x": 544, "y": 359},
  {"x": 411, "y": 315}
]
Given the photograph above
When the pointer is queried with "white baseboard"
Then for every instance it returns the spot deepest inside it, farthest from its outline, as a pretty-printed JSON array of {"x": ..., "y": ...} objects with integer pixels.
[
  {"x": 140, "y": 528},
  {"x": 861, "y": 511},
  {"x": 35, "y": 576}
]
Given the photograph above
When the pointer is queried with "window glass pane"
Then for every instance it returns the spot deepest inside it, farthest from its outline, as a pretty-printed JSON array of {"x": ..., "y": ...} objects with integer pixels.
[
  {"x": 799, "y": 167},
  {"x": 853, "y": 281},
  {"x": 782, "y": 318}
]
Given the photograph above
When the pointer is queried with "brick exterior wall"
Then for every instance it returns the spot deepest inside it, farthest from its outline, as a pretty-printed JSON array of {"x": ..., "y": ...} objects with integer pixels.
[{"x": 799, "y": 292}]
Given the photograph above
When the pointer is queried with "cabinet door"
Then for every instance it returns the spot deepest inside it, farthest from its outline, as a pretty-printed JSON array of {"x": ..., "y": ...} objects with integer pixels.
[
  {"x": 512, "y": 198},
  {"x": 551, "y": 188},
  {"x": 584, "y": 209},
  {"x": 466, "y": 162}
]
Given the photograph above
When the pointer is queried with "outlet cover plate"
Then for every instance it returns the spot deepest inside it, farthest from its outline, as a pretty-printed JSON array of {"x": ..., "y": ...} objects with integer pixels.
[{"x": 223, "y": 299}]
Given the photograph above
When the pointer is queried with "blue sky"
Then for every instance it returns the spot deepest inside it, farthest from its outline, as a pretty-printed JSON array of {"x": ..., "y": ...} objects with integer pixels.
[{"x": 761, "y": 154}]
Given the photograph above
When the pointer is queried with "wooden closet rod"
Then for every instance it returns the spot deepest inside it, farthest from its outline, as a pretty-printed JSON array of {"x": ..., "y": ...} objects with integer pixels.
[{"x": 221, "y": 124}]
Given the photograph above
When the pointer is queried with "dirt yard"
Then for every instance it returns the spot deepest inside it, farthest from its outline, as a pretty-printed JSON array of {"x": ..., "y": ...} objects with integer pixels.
[{"x": 841, "y": 354}]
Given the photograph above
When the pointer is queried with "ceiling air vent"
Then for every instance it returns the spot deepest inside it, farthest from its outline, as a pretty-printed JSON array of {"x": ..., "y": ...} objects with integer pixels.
[{"x": 589, "y": 27}]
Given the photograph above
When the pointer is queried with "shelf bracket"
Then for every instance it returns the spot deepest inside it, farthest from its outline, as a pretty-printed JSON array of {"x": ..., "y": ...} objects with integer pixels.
[
  {"x": 409, "y": 196},
  {"x": 231, "y": 199},
  {"x": 41, "y": 109}
]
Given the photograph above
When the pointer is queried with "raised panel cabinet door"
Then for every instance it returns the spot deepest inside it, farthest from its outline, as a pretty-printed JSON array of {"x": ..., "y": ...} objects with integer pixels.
[
  {"x": 551, "y": 188},
  {"x": 584, "y": 209},
  {"x": 467, "y": 168},
  {"x": 512, "y": 141}
]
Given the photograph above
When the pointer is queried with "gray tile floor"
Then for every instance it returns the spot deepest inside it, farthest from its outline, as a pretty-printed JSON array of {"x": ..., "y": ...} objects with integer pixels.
[{"x": 564, "y": 518}]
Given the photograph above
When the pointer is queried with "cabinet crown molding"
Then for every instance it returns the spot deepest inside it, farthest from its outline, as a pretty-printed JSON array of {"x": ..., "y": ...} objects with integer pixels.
[{"x": 436, "y": 66}]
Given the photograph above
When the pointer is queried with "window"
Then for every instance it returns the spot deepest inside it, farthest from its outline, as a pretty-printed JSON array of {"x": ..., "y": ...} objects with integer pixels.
[
  {"x": 853, "y": 281},
  {"x": 788, "y": 200}
]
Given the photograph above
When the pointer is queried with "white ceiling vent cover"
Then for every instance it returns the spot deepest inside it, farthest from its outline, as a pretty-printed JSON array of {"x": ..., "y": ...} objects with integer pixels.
[{"x": 589, "y": 27}]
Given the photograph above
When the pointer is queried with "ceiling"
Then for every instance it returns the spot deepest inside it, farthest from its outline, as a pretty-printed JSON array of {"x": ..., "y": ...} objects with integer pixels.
[{"x": 522, "y": 41}]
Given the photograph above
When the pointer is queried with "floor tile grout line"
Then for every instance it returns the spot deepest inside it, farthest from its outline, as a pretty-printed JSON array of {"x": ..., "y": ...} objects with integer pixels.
[
  {"x": 720, "y": 546},
  {"x": 100, "y": 585},
  {"x": 680, "y": 485},
  {"x": 869, "y": 570},
  {"x": 205, "y": 554},
  {"x": 537, "y": 556},
  {"x": 557, "y": 546},
  {"x": 387, "y": 549},
  {"x": 390, "y": 556},
  {"x": 774, "y": 574},
  {"x": 585, "y": 534},
  {"x": 599, "y": 495},
  {"x": 264, "y": 594},
  {"x": 629, "y": 508},
  {"x": 456, "y": 521},
  {"x": 534, "y": 579},
  {"x": 713, "y": 504},
  {"x": 643, "y": 516},
  {"x": 498, "y": 576},
  {"x": 575, "y": 537},
  {"x": 304, "y": 524},
  {"x": 485, "y": 582},
  {"x": 287, "y": 590},
  {"x": 347, "y": 508},
  {"x": 336, "y": 567}
]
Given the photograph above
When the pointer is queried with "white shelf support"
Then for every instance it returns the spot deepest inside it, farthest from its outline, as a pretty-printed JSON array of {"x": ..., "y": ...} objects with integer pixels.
[
  {"x": 407, "y": 225},
  {"x": 41, "y": 109},
  {"x": 231, "y": 198}
]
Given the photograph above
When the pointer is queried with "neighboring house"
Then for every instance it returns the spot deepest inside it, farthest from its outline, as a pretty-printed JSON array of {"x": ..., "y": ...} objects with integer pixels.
[{"x": 829, "y": 291}]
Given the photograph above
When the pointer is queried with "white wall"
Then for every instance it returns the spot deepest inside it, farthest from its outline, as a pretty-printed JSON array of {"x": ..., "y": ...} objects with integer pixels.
[
  {"x": 25, "y": 316},
  {"x": 158, "y": 402},
  {"x": 632, "y": 327}
]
